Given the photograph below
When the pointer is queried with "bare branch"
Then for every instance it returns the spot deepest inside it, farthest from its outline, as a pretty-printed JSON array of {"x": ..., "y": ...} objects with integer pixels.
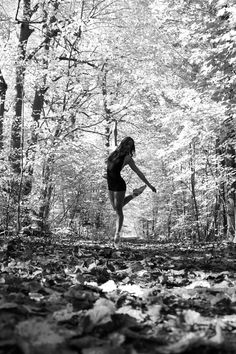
[
  {"x": 78, "y": 61},
  {"x": 17, "y": 10},
  {"x": 84, "y": 128},
  {"x": 32, "y": 54}
]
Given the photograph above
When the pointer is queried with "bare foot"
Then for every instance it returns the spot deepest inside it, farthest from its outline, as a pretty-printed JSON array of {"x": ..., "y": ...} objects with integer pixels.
[
  {"x": 116, "y": 245},
  {"x": 117, "y": 238}
]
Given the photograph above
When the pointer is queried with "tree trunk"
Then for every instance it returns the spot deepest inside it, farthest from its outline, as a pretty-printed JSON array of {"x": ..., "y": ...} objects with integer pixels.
[
  {"x": 39, "y": 98},
  {"x": 107, "y": 111},
  {"x": 16, "y": 130},
  {"x": 16, "y": 143},
  {"x": 3, "y": 89},
  {"x": 193, "y": 191},
  {"x": 231, "y": 213},
  {"x": 227, "y": 151},
  {"x": 46, "y": 194},
  {"x": 51, "y": 31}
]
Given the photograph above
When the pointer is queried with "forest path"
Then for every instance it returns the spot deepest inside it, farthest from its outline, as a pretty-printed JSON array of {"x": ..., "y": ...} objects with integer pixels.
[{"x": 90, "y": 298}]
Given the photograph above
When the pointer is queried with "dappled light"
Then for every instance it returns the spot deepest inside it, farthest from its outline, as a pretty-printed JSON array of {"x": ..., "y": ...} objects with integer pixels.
[
  {"x": 85, "y": 298},
  {"x": 118, "y": 182}
]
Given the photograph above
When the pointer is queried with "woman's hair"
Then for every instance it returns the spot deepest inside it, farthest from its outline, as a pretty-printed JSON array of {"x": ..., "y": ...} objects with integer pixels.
[{"x": 121, "y": 150}]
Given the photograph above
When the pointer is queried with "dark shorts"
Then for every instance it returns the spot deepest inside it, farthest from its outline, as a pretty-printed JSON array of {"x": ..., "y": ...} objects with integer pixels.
[{"x": 116, "y": 185}]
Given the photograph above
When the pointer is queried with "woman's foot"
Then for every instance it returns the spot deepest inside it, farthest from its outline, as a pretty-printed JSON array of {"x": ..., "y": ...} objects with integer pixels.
[
  {"x": 117, "y": 238},
  {"x": 138, "y": 191}
]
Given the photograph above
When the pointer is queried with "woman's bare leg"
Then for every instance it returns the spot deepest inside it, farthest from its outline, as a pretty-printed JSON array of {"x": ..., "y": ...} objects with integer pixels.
[
  {"x": 135, "y": 193},
  {"x": 128, "y": 199},
  {"x": 119, "y": 203},
  {"x": 111, "y": 196}
]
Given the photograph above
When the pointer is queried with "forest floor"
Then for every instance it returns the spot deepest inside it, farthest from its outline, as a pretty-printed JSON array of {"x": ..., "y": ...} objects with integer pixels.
[{"x": 62, "y": 298}]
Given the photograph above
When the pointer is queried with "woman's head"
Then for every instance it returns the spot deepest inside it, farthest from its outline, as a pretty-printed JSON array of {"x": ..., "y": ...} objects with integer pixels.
[{"x": 126, "y": 146}]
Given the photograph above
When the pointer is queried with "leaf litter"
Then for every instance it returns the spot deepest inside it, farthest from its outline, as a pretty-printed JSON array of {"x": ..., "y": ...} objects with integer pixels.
[{"x": 90, "y": 298}]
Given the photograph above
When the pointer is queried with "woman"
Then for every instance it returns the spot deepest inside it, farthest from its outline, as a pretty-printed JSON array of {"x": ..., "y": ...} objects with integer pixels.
[{"x": 119, "y": 158}]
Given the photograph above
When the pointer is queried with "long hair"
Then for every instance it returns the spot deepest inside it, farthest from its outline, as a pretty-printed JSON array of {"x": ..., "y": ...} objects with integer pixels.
[{"x": 122, "y": 150}]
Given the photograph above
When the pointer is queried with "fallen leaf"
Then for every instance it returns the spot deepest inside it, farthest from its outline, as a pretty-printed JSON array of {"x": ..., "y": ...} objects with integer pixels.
[
  {"x": 128, "y": 310},
  {"x": 101, "y": 312},
  {"x": 64, "y": 314},
  {"x": 199, "y": 284},
  {"x": 36, "y": 296},
  {"x": 132, "y": 289},
  {"x": 109, "y": 286},
  {"x": 191, "y": 317},
  {"x": 154, "y": 312},
  {"x": 218, "y": 338}
]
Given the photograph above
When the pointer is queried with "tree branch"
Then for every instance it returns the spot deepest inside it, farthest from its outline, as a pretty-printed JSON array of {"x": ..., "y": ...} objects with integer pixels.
[
  {"x": 84, "y": 128},
  {"x": 79, "y": 61}
]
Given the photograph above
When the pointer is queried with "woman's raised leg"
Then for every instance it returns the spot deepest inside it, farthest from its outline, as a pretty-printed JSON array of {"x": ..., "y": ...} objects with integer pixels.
[{"x": 136, "y": 193}]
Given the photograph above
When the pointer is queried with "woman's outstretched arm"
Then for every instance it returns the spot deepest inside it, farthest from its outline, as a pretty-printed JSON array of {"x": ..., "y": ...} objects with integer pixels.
[{"x": 129, "y": 161}]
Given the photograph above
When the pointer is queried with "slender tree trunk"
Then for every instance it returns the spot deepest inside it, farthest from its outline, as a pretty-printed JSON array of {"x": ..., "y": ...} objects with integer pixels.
[
  {"x": 224, "y": 208},
  {"x": 169, "y": 224},
  {"x": 227, "y": 151},
  {"x": 107, "y": 111},
  {"x": 47, "y": 186},
  {"x": 16, "y": 143},
  {"x": 193, "y": 190},
  {"x": 230, "y": 161},
  {"x": 46, "y": 190},
  {"x": 3, "y": 89},
  {"x": 231, "y": 213},
  {"x": 16, "y": 131},
  {"x": 46, "y": 194},
  {"x": 39, "y": 97},
  {"x": 115, "y": 133},
  {"x": 111, "y": 130}
]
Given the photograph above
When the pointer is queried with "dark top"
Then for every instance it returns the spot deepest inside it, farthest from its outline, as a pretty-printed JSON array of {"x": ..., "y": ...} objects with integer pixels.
[{"x": 114, "y": 180}]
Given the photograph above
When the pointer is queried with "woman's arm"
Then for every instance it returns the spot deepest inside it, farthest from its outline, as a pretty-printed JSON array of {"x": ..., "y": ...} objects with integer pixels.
[{"x": 129, "y": 161}]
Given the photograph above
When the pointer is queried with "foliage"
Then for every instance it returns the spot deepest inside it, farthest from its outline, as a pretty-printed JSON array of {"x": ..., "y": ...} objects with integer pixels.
[{"x": 160, "y": 71}]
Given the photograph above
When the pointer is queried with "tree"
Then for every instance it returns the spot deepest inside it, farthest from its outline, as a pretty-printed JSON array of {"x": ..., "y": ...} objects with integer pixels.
[
  {"x": 216, "y": 73},
  {"x": 3, "y": 88},
  {"x": 16, "y": 133},
  {"x": 90, "y": 72}
]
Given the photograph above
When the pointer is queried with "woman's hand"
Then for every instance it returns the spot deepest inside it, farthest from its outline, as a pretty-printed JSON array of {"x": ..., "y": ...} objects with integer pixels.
[{"x": 153, "y": 189}]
